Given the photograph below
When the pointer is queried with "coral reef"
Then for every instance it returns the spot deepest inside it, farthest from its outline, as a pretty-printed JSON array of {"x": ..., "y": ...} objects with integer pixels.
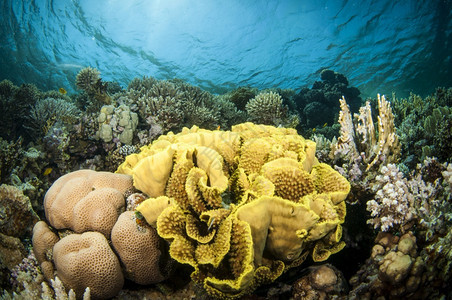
[
  {"x": 239, "y": 206},
  {"x": 235, "y": 209}
]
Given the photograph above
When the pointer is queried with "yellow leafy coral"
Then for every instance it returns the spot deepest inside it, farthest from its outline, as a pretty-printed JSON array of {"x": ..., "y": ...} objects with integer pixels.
[{"x": 240, "y": 206}]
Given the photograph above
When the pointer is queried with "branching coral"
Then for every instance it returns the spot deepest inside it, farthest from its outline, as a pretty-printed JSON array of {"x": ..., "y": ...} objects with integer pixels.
[
  {"x": 200, "y": 107},
  {"x": 162, "y": 103},
  {"x": 424, "y": 126},
  {"x": 230, "y": 114},
  {"x": 268, "y": 108},
  {"x": 47, "y": 112},
  {"x": 89, "y": 80},
  {"x": 240, "y": 206},
  {"x": 359, "y": 138},
  {"x": 400, "y": 201},
  {"x": 318, "y": 105},
  {"x": 241, "y": 96},
  {"x": 15, "y": 104},
  {"x": 394, "y": 202}
]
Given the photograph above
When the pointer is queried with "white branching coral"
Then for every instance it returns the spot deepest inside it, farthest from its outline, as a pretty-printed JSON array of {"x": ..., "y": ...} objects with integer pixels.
[
  {"x": 399, "y": 200},
  {"x": 345, "y": 145},
  {"x": 359, "y": 137},
  {"x": 393, "y": 203},
  {"x": 433, "y": 205}
]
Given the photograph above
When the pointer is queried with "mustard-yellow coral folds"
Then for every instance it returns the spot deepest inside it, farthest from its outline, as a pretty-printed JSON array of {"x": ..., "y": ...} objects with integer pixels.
[{"x": 240, "y": 206}]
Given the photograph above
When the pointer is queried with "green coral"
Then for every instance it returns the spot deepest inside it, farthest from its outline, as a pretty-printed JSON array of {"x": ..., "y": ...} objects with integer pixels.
[
  {"x": 268, "y": 109},
  {"x": 425, "y": 126},
  {"x": 15, "y": 103},
  {"x": 45, "y": 113},
  {"x": 89, "y": 80},
  {"x": 241, "y": 96}
]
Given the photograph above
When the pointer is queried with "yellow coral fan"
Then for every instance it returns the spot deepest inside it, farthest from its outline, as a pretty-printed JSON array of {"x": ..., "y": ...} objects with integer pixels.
[{"x": 240, "y": 206}]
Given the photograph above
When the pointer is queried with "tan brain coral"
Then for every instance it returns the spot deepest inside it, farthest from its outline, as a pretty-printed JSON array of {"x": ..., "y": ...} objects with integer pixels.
[
  {"x": 86, "y": 260},
  {"x": 43, "y": 241},
  {"x": 140, "y": 250},
  {"x": 87, "y": 200}
]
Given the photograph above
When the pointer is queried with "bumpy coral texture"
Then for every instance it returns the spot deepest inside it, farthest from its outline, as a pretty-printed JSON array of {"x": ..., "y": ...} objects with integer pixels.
[
  {"x": 140, "y": 250},
  {"x": 86, "y": 200},
  {"x": 43, "y": 241},
  {"x": 17, "y": 216},
  {"x": 240, "y": 206},
  {"x": 268, "y": 108},
  {"x": 86, "y": 260}
]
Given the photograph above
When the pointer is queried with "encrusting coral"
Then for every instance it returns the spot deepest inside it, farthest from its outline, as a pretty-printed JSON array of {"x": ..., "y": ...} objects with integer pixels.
[
  {"x": 17, "y": 216},
  {"x": 239, "y": 206}
]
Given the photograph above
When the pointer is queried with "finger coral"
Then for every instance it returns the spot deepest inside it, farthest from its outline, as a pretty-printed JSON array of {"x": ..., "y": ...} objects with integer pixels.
[
  {"x": 239, "y": 206},
  {"x": 359, "y": 137}
]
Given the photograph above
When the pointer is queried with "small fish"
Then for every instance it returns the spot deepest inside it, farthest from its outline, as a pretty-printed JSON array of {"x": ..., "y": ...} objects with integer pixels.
[
  {"x": 313, "y": 129},
  {"x": 211, "y": 223},
  {"x": 62, "y": 91},
  {"x": 218, "y": 128},
  {"x": 324, "y": 125},
  {"x": 47, "y": 171}
]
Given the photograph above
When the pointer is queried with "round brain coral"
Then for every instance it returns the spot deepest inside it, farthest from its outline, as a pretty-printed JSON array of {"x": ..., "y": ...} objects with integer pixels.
[
  {"x": 86, "y": 200},
  {"x": 86, "y": 260},
  {"x": 240, "y": 206},
  {"x": 141, "y": 250},
  {"x": 43, "y": 241}
]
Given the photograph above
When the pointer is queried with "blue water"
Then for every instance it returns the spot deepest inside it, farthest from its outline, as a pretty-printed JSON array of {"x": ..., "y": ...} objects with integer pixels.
[{"x": 381, "y": 46}]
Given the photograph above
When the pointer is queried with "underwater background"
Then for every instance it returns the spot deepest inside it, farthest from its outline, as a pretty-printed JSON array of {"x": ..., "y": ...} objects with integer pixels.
[
  {"x": 225, "y": 149},
  {"x": 381, "y": 46}
]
